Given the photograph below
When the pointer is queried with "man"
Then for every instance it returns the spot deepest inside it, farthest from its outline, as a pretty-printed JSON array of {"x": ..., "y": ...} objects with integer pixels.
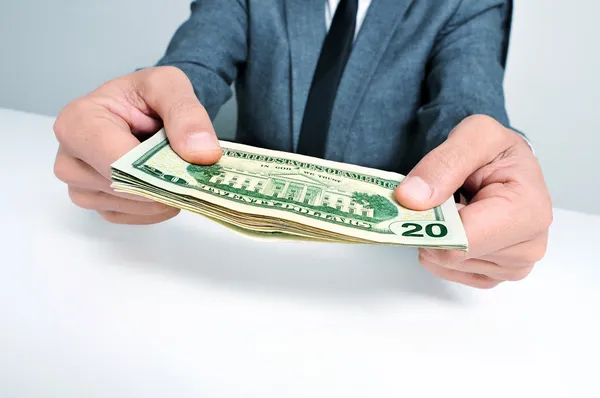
[{"x": 402, "y": 85}]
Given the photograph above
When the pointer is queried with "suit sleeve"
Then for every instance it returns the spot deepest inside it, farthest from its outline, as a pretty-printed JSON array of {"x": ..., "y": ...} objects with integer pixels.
[
  {"x": 210, "y": 47},
  {"x": 466, "y": 70}
]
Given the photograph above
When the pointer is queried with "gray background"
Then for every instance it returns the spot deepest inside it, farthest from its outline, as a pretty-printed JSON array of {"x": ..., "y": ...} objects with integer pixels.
[{"x": 54, "y": 51}]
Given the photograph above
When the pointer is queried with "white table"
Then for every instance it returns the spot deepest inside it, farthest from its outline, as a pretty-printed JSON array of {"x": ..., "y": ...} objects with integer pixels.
[{"x": 189, "y": 309}]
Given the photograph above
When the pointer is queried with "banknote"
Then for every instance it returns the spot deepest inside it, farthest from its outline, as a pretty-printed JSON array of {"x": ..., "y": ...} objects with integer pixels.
[{"x": 272, "y": 194}]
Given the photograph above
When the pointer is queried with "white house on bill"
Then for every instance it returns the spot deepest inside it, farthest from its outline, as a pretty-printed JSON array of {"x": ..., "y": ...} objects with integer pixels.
[{"x": 294, "y": 187}]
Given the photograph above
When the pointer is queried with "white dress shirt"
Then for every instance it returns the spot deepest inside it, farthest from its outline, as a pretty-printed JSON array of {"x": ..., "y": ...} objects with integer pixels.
[
  {"x": 363, "y": 6},
  {"x": 331, "y": 6}
]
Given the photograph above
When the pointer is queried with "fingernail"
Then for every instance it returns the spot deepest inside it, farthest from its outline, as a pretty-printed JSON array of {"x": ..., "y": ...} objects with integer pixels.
[
  {"x": 202, "y": 142},
  {"x": 417, "y": 188}
]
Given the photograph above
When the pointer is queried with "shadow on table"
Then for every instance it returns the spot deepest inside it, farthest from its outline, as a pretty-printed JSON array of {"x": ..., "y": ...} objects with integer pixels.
[{"x": 201, "y": 249}]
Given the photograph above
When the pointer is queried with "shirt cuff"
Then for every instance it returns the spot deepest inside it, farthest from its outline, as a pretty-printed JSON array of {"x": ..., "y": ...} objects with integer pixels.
[{"x": 529, "y": 144}]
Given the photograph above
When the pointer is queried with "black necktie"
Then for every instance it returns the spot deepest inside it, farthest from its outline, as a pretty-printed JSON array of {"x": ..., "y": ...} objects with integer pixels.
[{"x": 332, "y": 61}]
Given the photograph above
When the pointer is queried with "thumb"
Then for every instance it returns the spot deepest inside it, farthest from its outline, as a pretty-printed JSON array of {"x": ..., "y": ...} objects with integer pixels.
[
  {"x": 169, "y": 92},
  {"x": 475, "y": 142}
]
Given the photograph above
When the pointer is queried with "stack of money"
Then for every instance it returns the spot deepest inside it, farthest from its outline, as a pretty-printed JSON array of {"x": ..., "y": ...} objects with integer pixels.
[{"x": 274, "y": 195}]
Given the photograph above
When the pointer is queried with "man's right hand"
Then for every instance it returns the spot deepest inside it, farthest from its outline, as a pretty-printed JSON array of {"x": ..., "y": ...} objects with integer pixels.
[{"x": 97, "y": 129}]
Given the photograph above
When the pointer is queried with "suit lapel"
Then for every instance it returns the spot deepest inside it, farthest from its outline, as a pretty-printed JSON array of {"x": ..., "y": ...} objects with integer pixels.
[
  {"x": 305, "y": 21},
  {"x": 379, "y": 26}
]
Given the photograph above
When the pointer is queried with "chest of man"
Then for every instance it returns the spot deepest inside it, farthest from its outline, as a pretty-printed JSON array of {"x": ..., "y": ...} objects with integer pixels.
[{"x": 379, "y": 93}]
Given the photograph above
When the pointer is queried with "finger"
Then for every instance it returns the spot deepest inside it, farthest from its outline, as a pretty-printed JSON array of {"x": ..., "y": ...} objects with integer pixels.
[
  {"x": 101, "y": 201},
  {"x": 74, "y": 172},
  {"x": 98, "y": 128},
  {"x": 121, "y": 218},
  {"x": 170, "y": 93},
  {"x": 481, "y": 267},
  {"x": 473, "y": 280},
  {"x": 494, "y": 223},
  {"x": 472, "y": 144},
  {"x": 88, "y": 131},
  {"x": 522, "y": 254}
]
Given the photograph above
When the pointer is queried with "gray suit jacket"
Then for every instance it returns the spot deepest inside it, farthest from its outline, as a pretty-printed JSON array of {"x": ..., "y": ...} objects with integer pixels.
[{"x": 418, "y": 67}]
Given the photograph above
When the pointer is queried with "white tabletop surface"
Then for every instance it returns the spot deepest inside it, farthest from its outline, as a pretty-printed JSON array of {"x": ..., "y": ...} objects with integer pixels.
[{"x": 188, "y": 309}]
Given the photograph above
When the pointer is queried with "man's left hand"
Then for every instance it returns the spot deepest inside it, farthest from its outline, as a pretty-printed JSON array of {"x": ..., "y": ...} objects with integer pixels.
[{"x": 510, "y": 212}]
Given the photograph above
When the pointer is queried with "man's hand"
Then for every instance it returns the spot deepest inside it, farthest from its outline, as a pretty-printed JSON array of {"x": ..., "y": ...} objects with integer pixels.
[
  {"x": 508, "y": 217},
  {"x": 96, "y": 130}
]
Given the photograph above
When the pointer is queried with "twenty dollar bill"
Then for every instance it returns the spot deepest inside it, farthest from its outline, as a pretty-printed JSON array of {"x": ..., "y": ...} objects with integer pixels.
[{"x": 276, "y": 194}]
